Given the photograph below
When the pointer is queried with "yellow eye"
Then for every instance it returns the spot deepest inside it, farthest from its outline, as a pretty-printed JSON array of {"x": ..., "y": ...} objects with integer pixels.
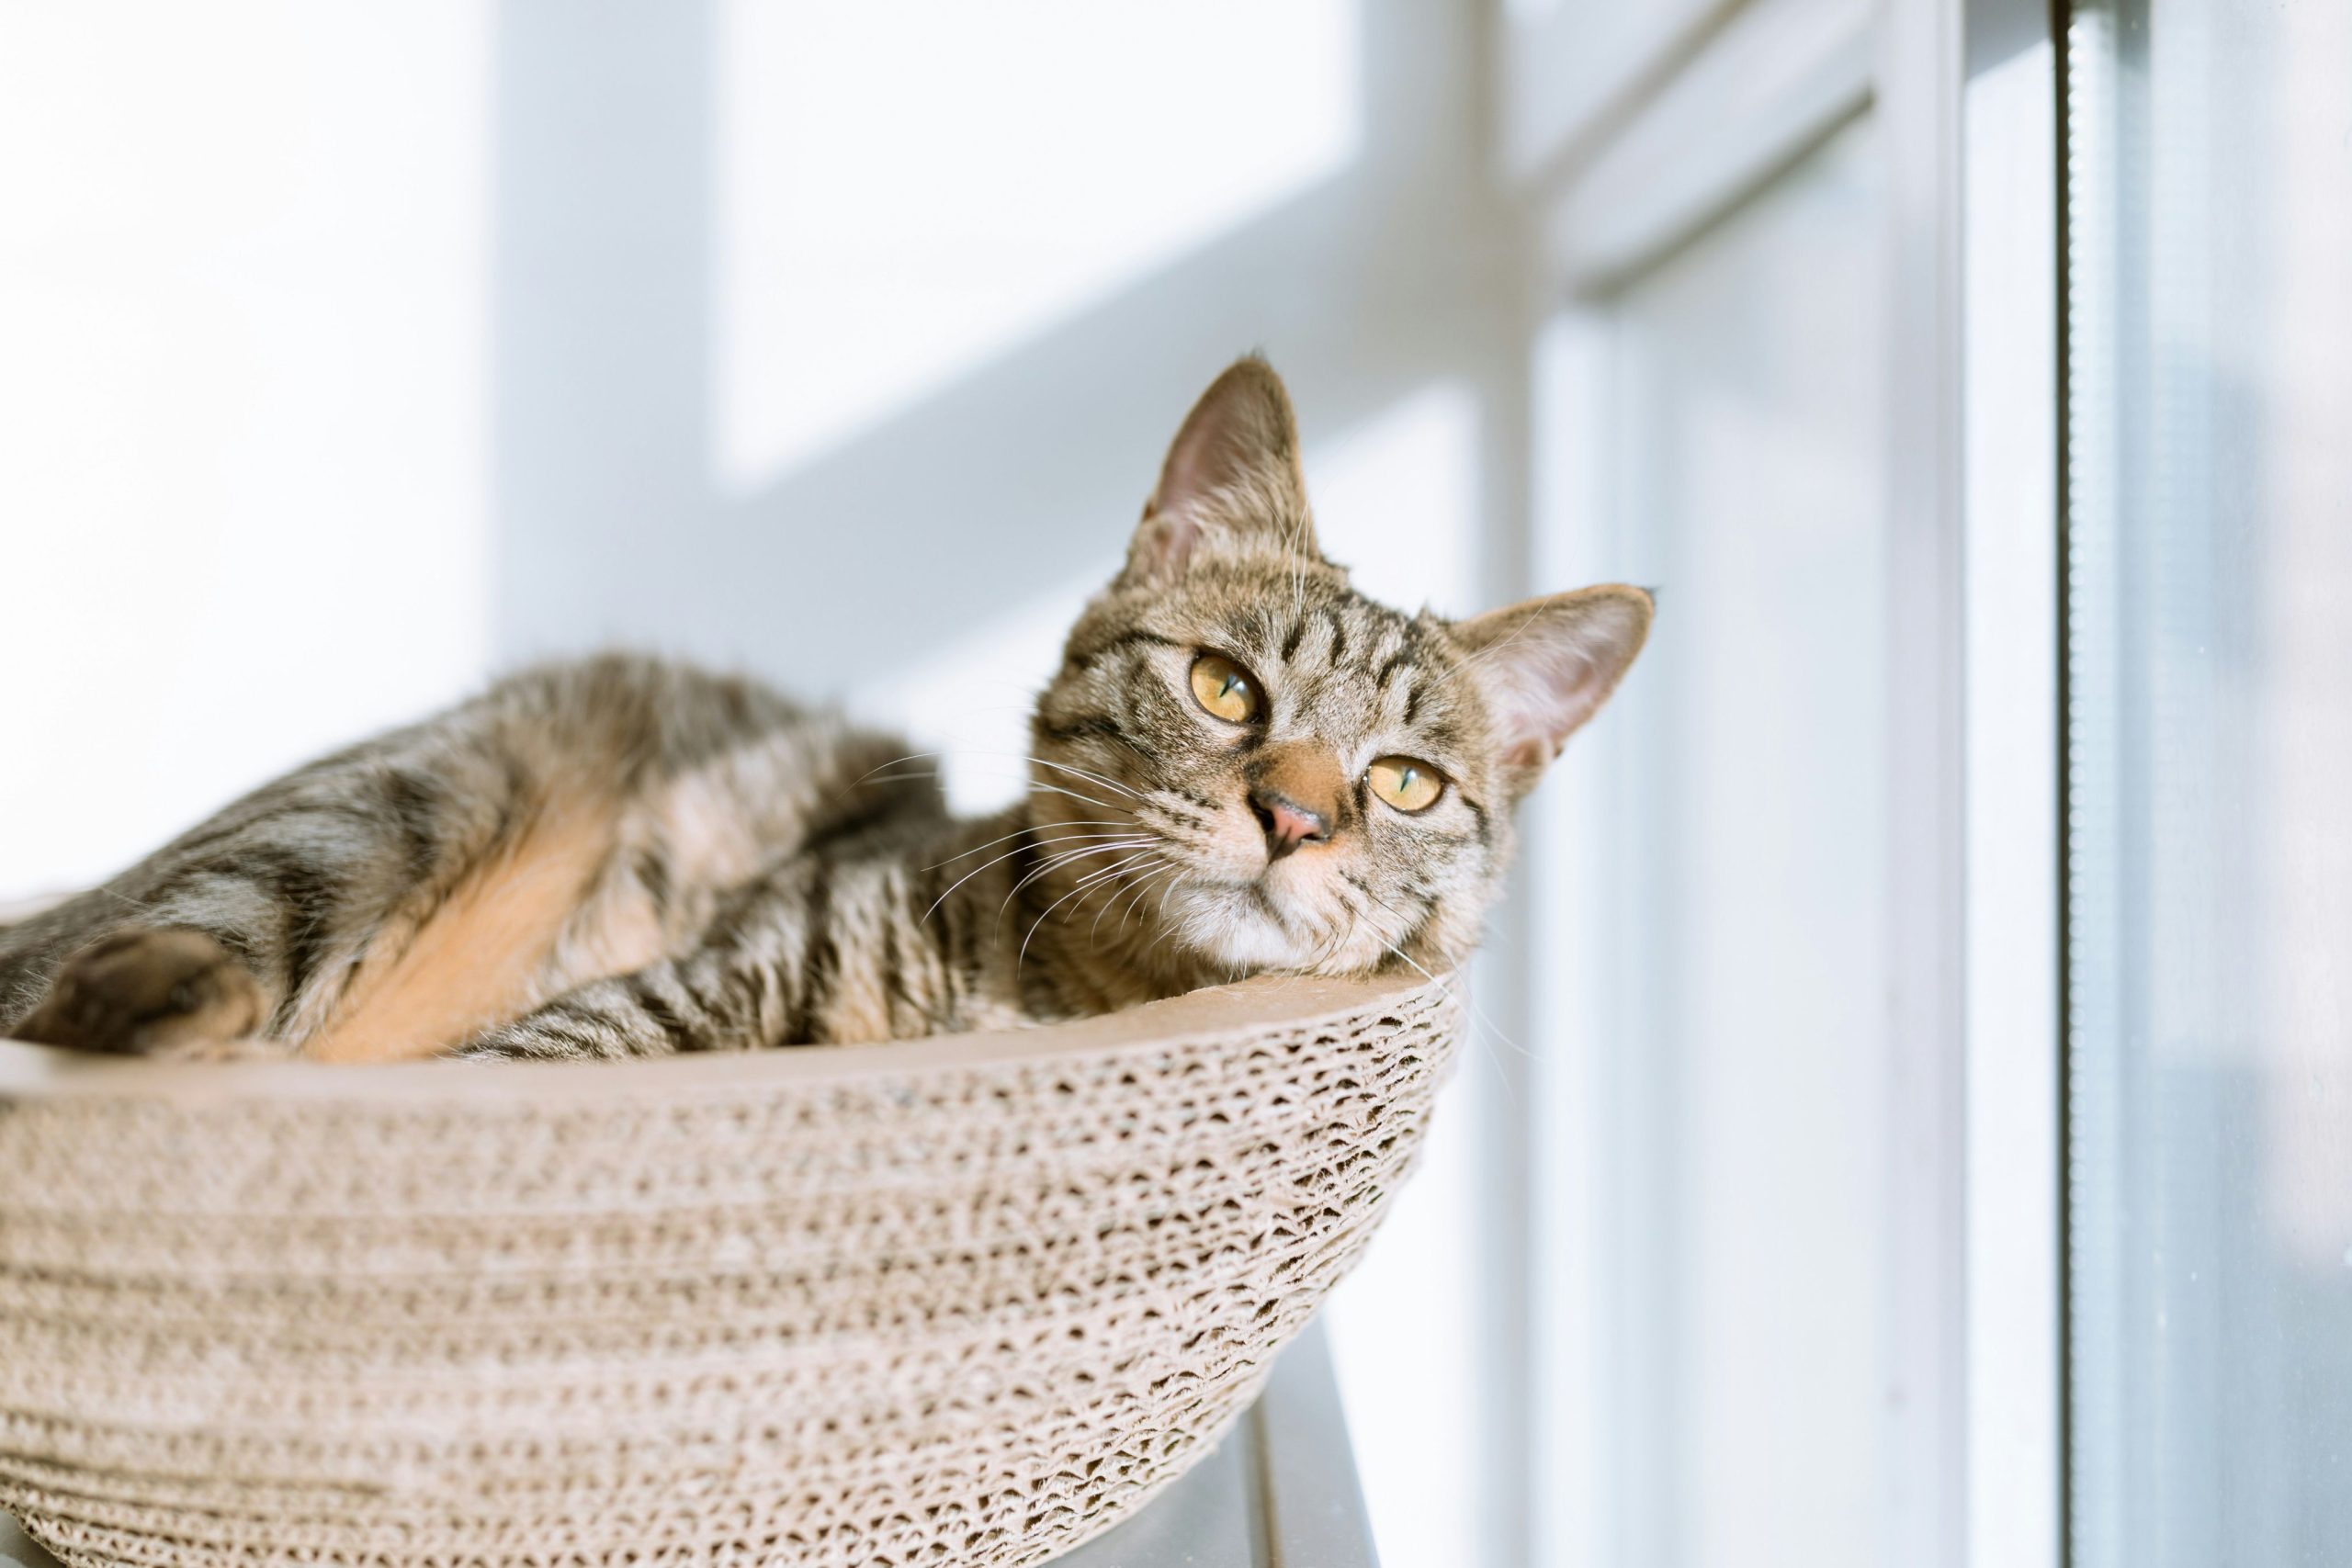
[
  {"x": 1406, "y": 784},
  {"x": 1224, "y": 689}
]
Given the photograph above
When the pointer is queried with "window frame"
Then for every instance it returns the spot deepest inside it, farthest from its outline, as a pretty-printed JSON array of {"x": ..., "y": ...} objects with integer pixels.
[{"x": 1692, "y": 127}]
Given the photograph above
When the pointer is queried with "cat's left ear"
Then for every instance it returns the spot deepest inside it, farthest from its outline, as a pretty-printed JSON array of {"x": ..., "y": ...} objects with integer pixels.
[
  {"x": 1232, "y": 482},
  {"x": 1546, "y": 665}
]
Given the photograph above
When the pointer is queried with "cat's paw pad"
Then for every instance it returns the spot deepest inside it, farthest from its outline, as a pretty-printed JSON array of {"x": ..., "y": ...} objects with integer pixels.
[{"x": 166, "y": 991}]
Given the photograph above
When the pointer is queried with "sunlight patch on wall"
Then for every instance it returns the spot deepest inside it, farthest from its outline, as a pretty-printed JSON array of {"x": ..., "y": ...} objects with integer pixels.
[
  {"x": 1397, "y": 501},
  {"x": 242, "y": 302},
  {"x": 865, "y": 258}
]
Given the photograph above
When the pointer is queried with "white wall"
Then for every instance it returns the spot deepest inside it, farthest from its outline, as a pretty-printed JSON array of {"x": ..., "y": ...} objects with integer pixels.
[{"x": 243, "y": 401}]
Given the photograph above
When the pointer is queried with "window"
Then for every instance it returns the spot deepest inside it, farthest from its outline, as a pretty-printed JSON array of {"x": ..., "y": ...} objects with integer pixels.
[
  {"x": 2103, "y": 1287},
  {"x": 1715, "y": 1058},
  {"x": 2210, "y": 728}
]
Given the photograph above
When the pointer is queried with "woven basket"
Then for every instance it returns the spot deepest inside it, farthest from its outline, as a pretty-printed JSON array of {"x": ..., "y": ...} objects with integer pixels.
[{"x": 963, "y": 1301}]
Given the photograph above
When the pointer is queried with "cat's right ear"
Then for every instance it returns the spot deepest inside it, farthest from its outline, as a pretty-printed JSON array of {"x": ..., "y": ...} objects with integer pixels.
[
  {"x": 1546, "y": 666},
  {"x": 1232, "y": 482}
]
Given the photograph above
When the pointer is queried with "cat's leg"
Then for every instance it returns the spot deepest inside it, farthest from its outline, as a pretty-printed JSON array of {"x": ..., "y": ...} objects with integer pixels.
[
  {"x": 171, "y": 989},
  {"x": 223, "y": 937},
  {"x": 572, "y": 822},
  {"x": 208, "y": 940},
  {"x": 277, "y": 919},
  {"x": 669, "y": 1007},
  {"x": 816, "y": 950},
  {"x": 763, "y": 961},
  {"x": 749, "y": 984}
]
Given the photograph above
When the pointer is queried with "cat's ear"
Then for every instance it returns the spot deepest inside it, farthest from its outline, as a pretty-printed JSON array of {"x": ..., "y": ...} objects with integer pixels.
[
  {"x": 1232, "y": 479},
  {"x": 1546, "y": 665}
]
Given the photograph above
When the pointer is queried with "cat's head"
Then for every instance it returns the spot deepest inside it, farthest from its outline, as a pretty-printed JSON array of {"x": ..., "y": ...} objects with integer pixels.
[{"x": 1278, "y": 772}]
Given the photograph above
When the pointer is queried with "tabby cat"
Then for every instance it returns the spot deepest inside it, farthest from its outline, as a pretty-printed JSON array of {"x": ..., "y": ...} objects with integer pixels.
[{"x": 1242, "y": 766}]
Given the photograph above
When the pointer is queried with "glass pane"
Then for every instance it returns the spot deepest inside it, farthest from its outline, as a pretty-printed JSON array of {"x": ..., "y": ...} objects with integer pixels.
[
  {"x": 1716, "y": 1062},
  {"x": 2210, "y": 797}
]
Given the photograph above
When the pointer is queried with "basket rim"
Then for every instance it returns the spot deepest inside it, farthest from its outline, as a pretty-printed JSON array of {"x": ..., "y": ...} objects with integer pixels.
[{"x": 31, "y": 1072}]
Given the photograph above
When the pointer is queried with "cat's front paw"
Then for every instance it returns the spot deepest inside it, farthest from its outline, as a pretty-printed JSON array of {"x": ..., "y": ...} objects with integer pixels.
[{"x": 161, "y": 991}]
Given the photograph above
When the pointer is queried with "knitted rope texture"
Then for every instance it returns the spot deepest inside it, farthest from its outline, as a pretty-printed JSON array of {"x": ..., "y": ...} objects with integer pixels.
[{"x": 958, "y": 1301}]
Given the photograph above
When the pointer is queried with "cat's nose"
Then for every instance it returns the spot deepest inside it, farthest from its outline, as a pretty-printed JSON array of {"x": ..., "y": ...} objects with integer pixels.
[{"x": 1288, "y": 823}]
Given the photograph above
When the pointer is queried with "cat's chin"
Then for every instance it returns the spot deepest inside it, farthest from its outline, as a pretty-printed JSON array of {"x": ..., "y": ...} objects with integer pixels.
[{"x": 1242, "y": 927}]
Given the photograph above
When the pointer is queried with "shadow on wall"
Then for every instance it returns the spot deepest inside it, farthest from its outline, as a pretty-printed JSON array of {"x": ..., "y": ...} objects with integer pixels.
[{"x": 1399, "y": 271}]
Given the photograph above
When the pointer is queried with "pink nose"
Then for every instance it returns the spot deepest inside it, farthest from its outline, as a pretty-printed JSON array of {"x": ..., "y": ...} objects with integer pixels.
[{"x": 1288, "y": 823}]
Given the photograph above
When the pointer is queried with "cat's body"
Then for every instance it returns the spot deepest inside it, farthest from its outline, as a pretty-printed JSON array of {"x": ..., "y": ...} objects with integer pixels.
[
  {"x": 572, "y": 824},
  {"x": 1242, "y": 766}
]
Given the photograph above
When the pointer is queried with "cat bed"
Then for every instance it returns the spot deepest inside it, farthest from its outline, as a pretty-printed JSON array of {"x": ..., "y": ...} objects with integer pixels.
[{"x": 960, "y": 1300}]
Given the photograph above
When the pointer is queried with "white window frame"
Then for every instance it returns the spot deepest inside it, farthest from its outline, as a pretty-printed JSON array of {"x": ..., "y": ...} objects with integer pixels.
[{"x": 1690, "y": 113}]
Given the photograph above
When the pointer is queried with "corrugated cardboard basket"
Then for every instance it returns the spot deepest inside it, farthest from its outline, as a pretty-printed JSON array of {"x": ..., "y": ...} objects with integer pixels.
[{"x": 961, "y": 1300}]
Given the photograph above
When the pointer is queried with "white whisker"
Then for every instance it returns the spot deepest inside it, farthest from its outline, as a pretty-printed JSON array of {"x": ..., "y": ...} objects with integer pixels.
[
  {"x": 1137, "y": 880},
  {"x": 1075, "y": 891},
  {"x": 999, "y": 860},
  {"x": 1452, "y": 992},
  {"x": 1051, "y": 862},
  {"x": 1003, "y": 838},
  {"x": 1086, "y": 774}
]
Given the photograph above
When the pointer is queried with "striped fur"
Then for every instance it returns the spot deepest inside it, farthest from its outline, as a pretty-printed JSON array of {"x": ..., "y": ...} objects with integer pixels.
[{"x": 624, "y": 857}]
